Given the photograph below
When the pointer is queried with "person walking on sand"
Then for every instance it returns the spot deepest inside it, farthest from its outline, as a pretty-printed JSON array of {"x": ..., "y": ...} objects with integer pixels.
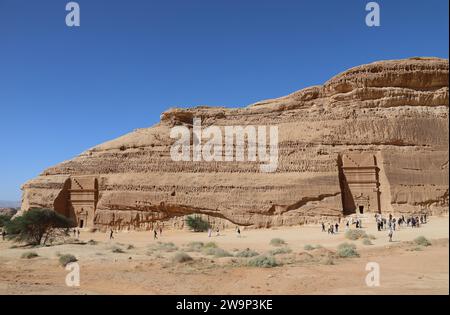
[
  {"x": 336, "y": 227},
  {"x": 217, "y": 231},
  {"x": 111, "y": 234},
  {"x": 391, "y": 233},
  {"x": 3, "y": 234},
  {"x": 238, "y": 231},
  {"x": 160, "y": 230},
  {"x": 155, "y": 234},
  {"x": 323, "y": 227},
  {"x": 78, "y": 233},
  {"x": 209, "y": 232},
  {"x": 74, "y": 232}
]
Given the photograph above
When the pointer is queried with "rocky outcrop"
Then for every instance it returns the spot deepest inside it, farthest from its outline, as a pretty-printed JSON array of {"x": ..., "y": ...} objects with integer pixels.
[
  {"x": 8, "y": 212},
  {"x": 395, "y": 111}
]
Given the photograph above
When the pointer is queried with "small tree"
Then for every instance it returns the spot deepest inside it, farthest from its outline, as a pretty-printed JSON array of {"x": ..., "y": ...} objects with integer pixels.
[
  {"x": 4, "y": 219},
  {"x": 197, "y": 224},
  {"x": 37, "y": 226}
]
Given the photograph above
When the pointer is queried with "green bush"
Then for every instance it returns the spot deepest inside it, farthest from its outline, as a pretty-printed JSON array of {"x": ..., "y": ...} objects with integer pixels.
[
  {"x": 308, "y": 247},
  {"x": 263, "y": 261},
  {"x": 217, "y": 252},
  {"x": 67, "y": 259},
  {"x": 277, "y": 242},
  {"x": 197, "y": 224},
  {"x": 415, "y": 249},
  {"x": 367, "y": 241},
  {"x": 210, "y": 245},
  {"x": 166, "y": 247},
  {"x": 117, "y": 250},
  {"x": 29, "y": 255},
  {"x": 181, "y": 257},
  {"x": 422, "y": 241},
  {"x": 280, "y": 251},
  {"x": 4, "y": 219},
  {"x": 355, "y": 234},
  {"x": 246, "y": 253},
  {"x": 347, "y": 250},
  {"x": 37, "y": 226},
  {"x": 194, "y": 247}
]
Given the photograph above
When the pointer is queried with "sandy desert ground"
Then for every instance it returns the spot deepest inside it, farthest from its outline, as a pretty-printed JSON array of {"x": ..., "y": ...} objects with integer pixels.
[{"x": 146, "y": 267}]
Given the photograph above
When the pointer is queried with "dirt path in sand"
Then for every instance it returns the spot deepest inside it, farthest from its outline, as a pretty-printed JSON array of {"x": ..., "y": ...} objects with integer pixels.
[{"x": 403, "y": 268}]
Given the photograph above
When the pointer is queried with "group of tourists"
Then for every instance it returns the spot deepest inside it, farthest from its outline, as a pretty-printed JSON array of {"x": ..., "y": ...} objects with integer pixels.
[
  {"x": 383, "y": 223},
  {"x": 210, "y": 231},
  {"x": 76, "y": 233},
  {"x": 333, "y": 228},
  {"x": 393, "y": 223}
]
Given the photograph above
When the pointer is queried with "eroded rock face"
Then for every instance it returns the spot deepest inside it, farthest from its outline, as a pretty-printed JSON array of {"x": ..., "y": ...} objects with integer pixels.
[{"x": 394, "y": 113}]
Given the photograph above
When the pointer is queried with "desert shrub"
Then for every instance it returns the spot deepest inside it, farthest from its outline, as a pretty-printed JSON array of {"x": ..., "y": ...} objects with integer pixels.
[
  {"x": 347, "y": 250},
  {"x": 355, "y": 234},
  {"x": 318, "y": 246},
  {"x": 181, "y": 257},
  {"x": 277, "y": 242},
  {"x": 117, "y": 250},
  {"x": 4, "y": 219},
  {"x": 29, "y": 255},
  {"x": 308, "y": 247},
  {"x": 280, "y": 251},
  {"x": 38, "y": 226},
  {"x": 263, "y": 261},
  {"x": 327, "y": 261},
  {"x": 210, "y": 245},
  {"x": 217, "y": 252},
  {"x": 194, "y": 246},
  {"x": 197, "y": 224},
  {"x": 246, "y": 253},
  {"x": 92, "y": 242},
  {"x": 130, "y": 246},
  {"x": 67, "y": 259},
  {"x": 422, "y": 241},
  {"x": 167, "y": 247},
  {"x": 415, "y": 249},
  {"x": 367, "y": 241}
]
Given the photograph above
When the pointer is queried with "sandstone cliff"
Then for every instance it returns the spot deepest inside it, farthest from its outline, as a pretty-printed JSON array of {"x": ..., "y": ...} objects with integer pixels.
[{"x": 395, "y": 111}]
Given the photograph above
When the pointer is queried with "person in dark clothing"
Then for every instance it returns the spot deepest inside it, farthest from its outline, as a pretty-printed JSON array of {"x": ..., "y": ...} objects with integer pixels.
[{"x": 111, "y": 234}]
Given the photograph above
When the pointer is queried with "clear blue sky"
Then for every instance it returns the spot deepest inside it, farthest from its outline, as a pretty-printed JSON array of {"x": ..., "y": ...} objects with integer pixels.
[{"x": 64, "y": 90}]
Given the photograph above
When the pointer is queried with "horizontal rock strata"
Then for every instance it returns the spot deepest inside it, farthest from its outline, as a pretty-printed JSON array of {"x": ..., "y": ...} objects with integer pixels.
[{"x": 394, "y": 111}]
